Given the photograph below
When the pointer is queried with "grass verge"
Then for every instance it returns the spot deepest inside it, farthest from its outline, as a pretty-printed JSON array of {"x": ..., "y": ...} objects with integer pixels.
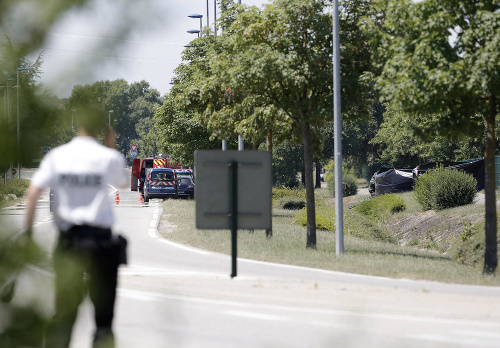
[
  {"x": 12, "y": 192},
  {"x": 371, "y": 247}
]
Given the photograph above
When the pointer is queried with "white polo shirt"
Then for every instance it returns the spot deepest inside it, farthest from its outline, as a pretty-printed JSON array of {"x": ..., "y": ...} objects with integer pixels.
[{"x": 78, "y": 173}]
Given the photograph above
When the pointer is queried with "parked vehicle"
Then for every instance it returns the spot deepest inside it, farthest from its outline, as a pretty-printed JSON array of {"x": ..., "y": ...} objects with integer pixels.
[
  {"x": 185, "y": 172},
  {"x": 141, "y": 166},
  {"x": 160, "y": 183},
  {"x": 185, "y": 187}
]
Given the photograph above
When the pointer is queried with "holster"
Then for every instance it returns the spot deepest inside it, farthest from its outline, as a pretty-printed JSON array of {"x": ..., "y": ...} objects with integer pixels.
[
  {"x": 119, "y": 247},
  {"x": 88, "y": 239}
]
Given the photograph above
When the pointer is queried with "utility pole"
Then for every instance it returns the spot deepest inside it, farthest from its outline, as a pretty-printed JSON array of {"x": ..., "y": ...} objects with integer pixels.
[{"x": 337, "y": 124}]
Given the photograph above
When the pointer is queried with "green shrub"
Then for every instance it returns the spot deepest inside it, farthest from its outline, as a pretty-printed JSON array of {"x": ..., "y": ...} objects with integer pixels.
[
  {"x": 445, "y": 188},
  {"x": 349, "y": 184},
  {"x": 17, "y": 187},
  {"x": 325, "y": 217},
  {"x": 292, "y": 199},
  {"x": 380, "y": 207}
]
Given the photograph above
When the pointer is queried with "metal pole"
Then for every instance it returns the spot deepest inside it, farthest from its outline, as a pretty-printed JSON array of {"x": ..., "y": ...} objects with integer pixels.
[
  {"x": 18, "y": 126},
  {"x": 5, "y": 101},
  {"x": 109, "y": 117},
  {"x": 9, "y": 110},
  {"x": 208, "y": 16},
  {"x": 6, "y": 119},
  {"x": 224, "y": 145},
  {"x": 337, "y": 119},
  {"x": 18, "y": 133},
  {"x": 241, "y": 144},
  {"x": 233, "y": 199},
  {"x": 215, "y": 17}
]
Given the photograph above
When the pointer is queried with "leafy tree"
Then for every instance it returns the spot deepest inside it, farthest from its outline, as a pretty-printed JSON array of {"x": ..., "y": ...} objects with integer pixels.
[
  {"x": 400, "y": 143},
  {"x": 441, "y": 57},
  {"x": 269, "y": 76},
  {"x": 181, "y": 131},
  {"x": 270, "y": 73},
  {"x": 179, "y": 124},
  {"x": 287, "y": 162},
  {"x": 130, "y": 110},
  {"x": 358, "y": 95},
  {"x": 36, "y": 120}
]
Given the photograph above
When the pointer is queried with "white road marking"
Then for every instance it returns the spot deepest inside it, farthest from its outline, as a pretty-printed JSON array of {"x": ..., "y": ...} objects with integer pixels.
[
  {"x": 253, "y": 315},
  {"x": 154, "y": 222},
  {"x": 184, "y": 247},
  {"x": 476, "y": 333},
  {"x": 46, "y": 220},
  {"x": 152, "y": 271},
  {"x": 459, "y": 341},
  {"x": 159, "y": 297},
  {"x": 153, "y": 233}
]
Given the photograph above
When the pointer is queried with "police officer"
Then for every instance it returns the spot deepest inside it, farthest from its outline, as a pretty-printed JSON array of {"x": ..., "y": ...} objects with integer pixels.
[{"x": 87, "y": 255}]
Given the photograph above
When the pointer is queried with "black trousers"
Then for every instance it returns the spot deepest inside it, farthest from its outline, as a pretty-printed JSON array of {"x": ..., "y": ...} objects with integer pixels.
[{"x": 83, "y": 262}]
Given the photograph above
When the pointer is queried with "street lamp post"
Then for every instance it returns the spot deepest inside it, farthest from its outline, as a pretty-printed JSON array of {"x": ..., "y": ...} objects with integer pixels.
[
  {"x": 208, "y": 16},
  {"x": 8, "y": 114},
  {"x": 109, "y": 117},
  {"x": 72, "y": 120},
  {"x": 18, "y": 124},
  {"x": 195, "y": 15},
  {"x": 215, "y": 17},
  {"x": 6, "y": 111},
  {"x": 241, "y": 143},
  {"x": 194, "y": 31},
  {"x": 337, "y": 121}
]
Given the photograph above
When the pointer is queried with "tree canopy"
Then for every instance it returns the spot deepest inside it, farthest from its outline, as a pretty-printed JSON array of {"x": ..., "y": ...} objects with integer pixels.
[
  {"x": 130, "y": 108},
  {"x": 441, "y": 58},
  {"x": 269, "y": 74}
]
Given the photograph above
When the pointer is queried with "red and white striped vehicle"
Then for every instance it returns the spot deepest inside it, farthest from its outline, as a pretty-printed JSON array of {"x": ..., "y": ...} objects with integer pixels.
[{"x": 160, "y": 183}]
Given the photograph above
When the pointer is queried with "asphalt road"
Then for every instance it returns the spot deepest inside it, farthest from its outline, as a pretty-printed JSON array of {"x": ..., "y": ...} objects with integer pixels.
[{"x": 172, "y": 295}]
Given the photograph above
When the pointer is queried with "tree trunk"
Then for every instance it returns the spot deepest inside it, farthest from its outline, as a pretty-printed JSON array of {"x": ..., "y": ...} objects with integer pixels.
[
  {"x": 269, "y": 141},
  {"x": 269, "y": 147},
  {"x": 490, "y": 252},
  {"x": 318, "y": 173},
  {"x": 309, "y": 182}
]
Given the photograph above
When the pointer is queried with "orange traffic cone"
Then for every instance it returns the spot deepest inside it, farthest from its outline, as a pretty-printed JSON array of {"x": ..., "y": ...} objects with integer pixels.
[
  {"x": 141, "y": 199},
  {"x": 117, "y": 197}
]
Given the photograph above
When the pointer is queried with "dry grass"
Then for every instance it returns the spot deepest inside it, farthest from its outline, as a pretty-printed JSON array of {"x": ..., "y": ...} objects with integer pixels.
[{"x": 363, "y": 254}]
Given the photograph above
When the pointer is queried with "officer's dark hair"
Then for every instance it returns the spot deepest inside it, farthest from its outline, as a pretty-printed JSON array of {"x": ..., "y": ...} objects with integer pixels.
[{"x": 91, "y": 119}]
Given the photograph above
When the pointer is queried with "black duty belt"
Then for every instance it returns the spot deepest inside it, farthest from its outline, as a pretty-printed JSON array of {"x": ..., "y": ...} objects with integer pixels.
[
  {"x": 86, "y": 231},
  {"x": 90, "y": 238}
]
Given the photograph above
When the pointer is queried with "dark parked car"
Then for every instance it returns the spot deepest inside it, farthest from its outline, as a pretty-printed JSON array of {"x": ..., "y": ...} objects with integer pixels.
[{"x": 185, "y": 187}]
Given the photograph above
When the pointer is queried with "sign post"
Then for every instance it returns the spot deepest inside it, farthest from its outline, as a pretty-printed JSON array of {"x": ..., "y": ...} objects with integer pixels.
[
  {"x": 133, "y": 151},
  {"x": 233, "y": 181},
  {"x": 233, "y": 190}
]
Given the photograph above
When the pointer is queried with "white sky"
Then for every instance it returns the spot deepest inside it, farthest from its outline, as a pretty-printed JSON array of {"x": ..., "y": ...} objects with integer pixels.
[{"x": 134, "y": 40}]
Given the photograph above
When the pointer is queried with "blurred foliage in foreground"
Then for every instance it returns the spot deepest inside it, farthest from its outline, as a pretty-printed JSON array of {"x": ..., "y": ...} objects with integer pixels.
[
  {"x": 22, "y": 324},
  {"x": 29, "y": 116}
]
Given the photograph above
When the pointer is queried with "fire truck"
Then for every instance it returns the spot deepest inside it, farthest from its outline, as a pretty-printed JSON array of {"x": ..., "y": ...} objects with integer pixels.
[{"x": 141, "y": 168}]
